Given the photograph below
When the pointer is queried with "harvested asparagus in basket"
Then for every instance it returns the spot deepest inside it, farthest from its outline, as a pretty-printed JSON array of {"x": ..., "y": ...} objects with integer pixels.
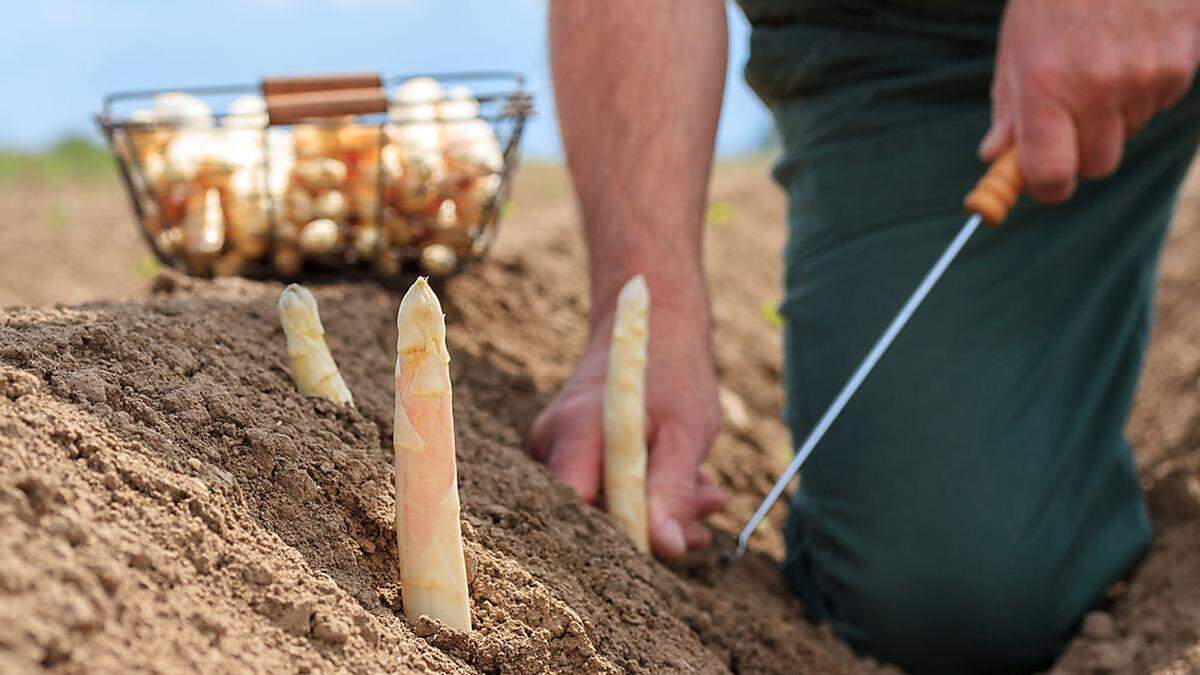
[
  {"x": 625, "y": 413},
  {"x": 433, "y": 573},
  {"x": 313, "y": 368},
  {"x": 419, "y": 189}
]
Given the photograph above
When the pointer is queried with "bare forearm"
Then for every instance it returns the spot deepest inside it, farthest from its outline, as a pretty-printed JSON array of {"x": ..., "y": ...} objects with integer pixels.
[{"x": 638, "y": 88}]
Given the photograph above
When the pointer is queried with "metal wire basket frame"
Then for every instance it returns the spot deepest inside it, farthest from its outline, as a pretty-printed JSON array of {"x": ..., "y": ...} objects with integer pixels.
[{"x": 510, "y": 105}]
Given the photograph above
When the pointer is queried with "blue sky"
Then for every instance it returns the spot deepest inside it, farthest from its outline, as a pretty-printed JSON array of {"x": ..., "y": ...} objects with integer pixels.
[{"x": 61, "y": 56}]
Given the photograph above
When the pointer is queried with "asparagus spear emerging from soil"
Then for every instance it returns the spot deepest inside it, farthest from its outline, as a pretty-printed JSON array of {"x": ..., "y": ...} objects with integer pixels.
[
  {"x": 313, "y": 368},
  {"x": 625, "y": 413},
  {"x": 433, "y": 575}
]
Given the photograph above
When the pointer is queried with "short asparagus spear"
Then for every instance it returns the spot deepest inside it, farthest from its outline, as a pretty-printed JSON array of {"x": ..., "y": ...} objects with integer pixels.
[
  {"x": 313, "y": 368},
  {"x": 432, "y": 571},
  {"x": 625, "y": 413}
]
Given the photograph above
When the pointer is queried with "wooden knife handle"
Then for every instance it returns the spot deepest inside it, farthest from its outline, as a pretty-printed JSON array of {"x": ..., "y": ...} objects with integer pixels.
[{"x": 996, "y": 193}]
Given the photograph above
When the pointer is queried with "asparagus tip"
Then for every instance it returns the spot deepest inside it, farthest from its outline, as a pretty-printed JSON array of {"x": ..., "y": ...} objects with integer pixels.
[
  {"x": 420, "y": 323},
  {"x": 295, "y": 297},
  {"x": 636, "y": 291}
]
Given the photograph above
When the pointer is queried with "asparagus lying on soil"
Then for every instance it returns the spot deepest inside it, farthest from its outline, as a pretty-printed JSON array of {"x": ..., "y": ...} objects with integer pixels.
[
  {"x": 313, "y": 368},
  {"x": 433, "y": 575},
  {"x": 625, "y": 413}
]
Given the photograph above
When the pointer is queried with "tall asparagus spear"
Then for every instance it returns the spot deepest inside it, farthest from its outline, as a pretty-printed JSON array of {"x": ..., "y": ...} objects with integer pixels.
[
  {"x": 432, "y": 571},
  {"x": 313, "y": 368},
  {"x": 625, "y": 413}
]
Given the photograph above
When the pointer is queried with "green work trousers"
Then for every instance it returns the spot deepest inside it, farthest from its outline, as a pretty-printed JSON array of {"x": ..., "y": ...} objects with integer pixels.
[{"x": 977, "y": 496}]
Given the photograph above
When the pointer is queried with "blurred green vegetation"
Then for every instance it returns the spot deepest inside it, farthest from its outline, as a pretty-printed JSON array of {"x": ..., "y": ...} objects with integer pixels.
[
  {"x": 719, "y": 213},
  {"x": 146, "y": 267},
  {"x": 73, "y": 158},
  {"x": 770, "y": 311}
]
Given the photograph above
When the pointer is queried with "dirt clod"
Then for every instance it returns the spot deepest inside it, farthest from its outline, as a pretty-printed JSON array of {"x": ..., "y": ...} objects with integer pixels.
[
  {"x": 331, "y": 628},
  {"x": 1176, "y": 497},
  {"x": 1098, "y": 626}
]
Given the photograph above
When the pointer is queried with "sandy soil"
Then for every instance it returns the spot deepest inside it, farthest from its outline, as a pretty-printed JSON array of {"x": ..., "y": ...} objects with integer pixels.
[{"x": 167, "y": 500}]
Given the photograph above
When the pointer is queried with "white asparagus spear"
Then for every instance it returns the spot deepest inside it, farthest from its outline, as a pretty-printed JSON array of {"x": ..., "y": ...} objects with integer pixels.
[
  {"x": 625, "y": 413},
  {"x": 433, "y": 575},
  {"x": 313, "y": 368}
]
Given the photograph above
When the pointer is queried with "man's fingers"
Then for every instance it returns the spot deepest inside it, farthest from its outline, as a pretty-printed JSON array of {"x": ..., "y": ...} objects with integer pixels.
[
  {"x": 1101, "y": 139},
  {"x": 1137, "y": 115},
  {"x": 671, "y": 485},
  {"x": 1175, "y": 79},
  {"x": 667, "y": 540},
  {"x": 576, "y": 457},
  {"x": 1000, "y": 134},
  {"x": 996, "y": 141},
  {"x": 541, "y": 436},
  {"x": 709, "y": 497},
  {"x": 672, "y": 534},
  {"x": 1046, "y": 137},
  {"x": 697, "y": 535}
]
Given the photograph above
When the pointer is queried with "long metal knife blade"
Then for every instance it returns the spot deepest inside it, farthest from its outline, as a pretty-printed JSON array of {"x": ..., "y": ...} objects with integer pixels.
[{"x": 855, "y": 381}]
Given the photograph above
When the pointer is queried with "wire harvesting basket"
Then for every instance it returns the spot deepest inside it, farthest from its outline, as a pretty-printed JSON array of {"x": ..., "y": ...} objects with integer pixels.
[{"x": 326, "y": 172}]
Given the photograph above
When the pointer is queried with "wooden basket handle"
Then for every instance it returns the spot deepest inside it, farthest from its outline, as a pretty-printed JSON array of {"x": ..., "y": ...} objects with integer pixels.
[
  {"x": 291, "y": 99},
  {"x": 294, "y": 84}
]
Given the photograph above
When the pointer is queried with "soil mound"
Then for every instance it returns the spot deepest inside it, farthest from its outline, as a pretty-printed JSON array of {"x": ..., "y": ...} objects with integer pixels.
[{"x": 169, "y": 502}]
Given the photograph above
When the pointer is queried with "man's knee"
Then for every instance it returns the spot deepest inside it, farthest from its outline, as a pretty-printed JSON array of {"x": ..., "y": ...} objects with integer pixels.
[{"x": 967, "y": 613}]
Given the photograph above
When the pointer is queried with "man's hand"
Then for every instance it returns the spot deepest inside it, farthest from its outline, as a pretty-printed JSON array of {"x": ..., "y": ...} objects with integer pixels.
[
  {"x": 1075, "y": 78},
  {"x": 638, "y": 90},
  {"x": 682, "y": 419}
]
